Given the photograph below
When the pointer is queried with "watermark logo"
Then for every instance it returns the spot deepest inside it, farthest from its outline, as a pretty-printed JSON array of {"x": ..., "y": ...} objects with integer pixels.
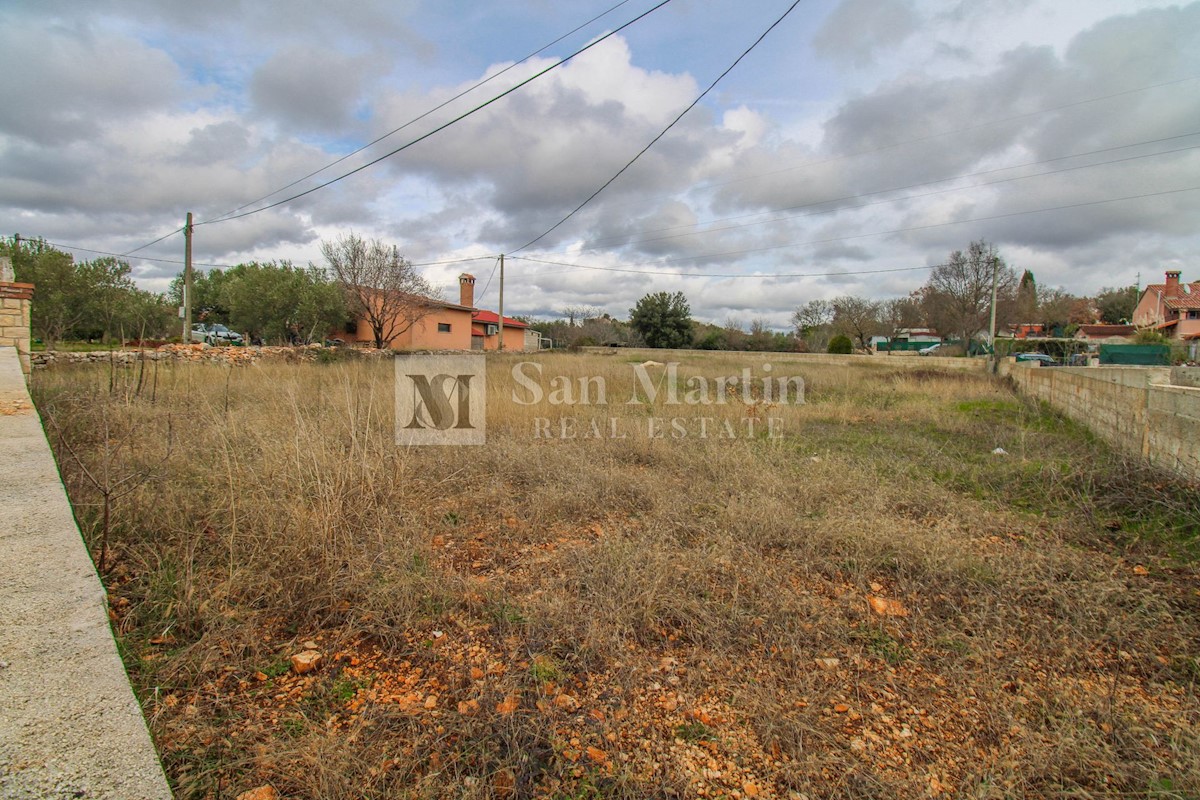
[
  {"x": 441, "y": 400},
  {"x": 745, "y": 402}
]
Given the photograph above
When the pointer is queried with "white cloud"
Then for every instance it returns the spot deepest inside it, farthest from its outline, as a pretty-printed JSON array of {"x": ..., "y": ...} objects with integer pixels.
[{"x": 162, "y": 108}]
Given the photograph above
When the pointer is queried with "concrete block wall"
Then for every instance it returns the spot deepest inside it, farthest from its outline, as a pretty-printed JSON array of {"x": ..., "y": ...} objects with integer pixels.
[
  {"x": 70, "y": 725},
  {"x": 1134, "y": 408},
  {"x": 1185, "y": 376}
]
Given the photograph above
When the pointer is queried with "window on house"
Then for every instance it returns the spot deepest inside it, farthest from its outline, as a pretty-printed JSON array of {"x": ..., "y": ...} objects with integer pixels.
[
  {"x": 351, "y": 327},
  {"x": 1194, "y": 314},
  {"x": 443, "y": 327}
]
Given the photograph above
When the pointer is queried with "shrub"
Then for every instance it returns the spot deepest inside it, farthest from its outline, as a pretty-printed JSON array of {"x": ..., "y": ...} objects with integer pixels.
[{"x": 841, "y": 344}]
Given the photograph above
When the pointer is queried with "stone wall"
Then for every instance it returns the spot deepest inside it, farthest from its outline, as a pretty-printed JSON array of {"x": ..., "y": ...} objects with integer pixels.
[
  {"x": 1137, "y": 409},
  {"x": 15, "y": 300},
  {"x": 203, "y": 353}
]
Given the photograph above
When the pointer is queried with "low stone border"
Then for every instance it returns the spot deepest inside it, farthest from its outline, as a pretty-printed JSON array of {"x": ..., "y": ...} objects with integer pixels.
[{"x": 201, "y": 353}]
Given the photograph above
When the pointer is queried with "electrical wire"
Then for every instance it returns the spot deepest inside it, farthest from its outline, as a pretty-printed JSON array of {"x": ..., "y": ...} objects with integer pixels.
[
  {"x": 450, "y": 261},
  {"x": 156, "y": 241},
  {"x": 976, "y": 126},
  {"x": 445, "y": 125},
  {"x": 663, "y": 132},
  {"x": 726, "y": 274},
  {"x": 416, "y": 119},
  {"x": 629, "y": 268},
  {"x": 898, "y": 199},
  {"x": 63, "y": 246},
  {"x": 483, "y": 294}
]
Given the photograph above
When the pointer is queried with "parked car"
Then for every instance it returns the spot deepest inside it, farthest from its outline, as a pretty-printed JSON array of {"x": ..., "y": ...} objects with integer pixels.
[
  {"x": 931, "y": 350},
  {"x": 216, "y": 334},
  {"x": 1041, "y": 358}
]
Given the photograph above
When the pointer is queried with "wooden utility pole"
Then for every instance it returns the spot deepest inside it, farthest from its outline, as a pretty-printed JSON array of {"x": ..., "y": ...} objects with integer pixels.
[
  {"x": 187, "y": 279},
  {"x": 992, "y": 326},
  {"x": 500, "y": 345}
]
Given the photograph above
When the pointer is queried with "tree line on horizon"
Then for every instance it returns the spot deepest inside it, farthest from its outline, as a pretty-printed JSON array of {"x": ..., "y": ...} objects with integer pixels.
[
  {"x": 955, "y": 302},
  {"x": 281, "y": 302}
]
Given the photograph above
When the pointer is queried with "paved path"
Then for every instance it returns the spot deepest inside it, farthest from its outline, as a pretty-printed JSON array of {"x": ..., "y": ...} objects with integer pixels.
[{"x": 70, "y": 726}]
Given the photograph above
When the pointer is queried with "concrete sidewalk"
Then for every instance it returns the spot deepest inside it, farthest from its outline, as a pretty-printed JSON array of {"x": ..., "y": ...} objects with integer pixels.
[{"x": 70, "y": 725}]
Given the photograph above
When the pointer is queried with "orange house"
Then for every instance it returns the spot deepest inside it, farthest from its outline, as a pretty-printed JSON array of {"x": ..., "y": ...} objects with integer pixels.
[
  {"x": 450, "y": 326},
  {"x": 1172, "y": 308},
  {"x": 485, "y": 332}
]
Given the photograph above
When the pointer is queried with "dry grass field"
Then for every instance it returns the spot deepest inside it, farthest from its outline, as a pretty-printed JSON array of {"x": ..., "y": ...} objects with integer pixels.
[{"x": 871, "y": 605}]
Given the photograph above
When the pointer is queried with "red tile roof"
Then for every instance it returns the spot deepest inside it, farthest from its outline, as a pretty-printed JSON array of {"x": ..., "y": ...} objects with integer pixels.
[
  {"x": 1107, "y": 330},
  {"x": 1183, "y": 301},
  {"x": 492, "y": 318},
  {"x": 1187, "y": 295}
]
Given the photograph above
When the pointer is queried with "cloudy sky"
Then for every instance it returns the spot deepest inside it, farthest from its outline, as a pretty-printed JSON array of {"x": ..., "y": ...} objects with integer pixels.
[{"x": 857, "y": 145}]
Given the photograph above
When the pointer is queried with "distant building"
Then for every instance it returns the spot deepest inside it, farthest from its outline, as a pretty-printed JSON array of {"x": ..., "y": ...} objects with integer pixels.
[
  {"x": 1027, "y": 330},
  {"x": 1106, "y": 334},
  {"x": 907, "y": 339},
  {"x": 1171, "y": 308},
  {"x": 452, "y": 326}
]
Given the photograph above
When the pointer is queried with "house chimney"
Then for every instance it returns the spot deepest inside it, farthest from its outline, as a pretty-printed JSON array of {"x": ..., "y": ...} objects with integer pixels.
[
  {"x": 466, "y": 290},
  {"x": 1172, "y": 283}
]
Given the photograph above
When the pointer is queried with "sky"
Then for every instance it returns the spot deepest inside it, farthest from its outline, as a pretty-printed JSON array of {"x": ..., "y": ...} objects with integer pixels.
[{"x": 857, "y": 145}]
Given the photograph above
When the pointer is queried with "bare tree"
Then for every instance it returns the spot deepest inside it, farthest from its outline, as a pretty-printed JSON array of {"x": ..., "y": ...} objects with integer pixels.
[
  {"x": 812, "y": 314},
  {"x": 958, "y": 296},
  {"x": 811, "y": 321},
  {"x": 1055, "y": 307},
  {"x": 580, "y": 314},
  {"x": 856, "y": 317},
  {"x": 381, "y": 288},
  {"x": 898, "y": 314}
]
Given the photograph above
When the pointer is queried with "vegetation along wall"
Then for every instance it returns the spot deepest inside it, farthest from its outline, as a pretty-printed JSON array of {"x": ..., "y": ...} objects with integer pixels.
[{"x": 1137, "y": 409}]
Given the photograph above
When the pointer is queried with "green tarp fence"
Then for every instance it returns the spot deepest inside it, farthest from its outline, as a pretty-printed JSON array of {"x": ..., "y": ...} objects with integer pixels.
[{"x": 1149, "y": 355}]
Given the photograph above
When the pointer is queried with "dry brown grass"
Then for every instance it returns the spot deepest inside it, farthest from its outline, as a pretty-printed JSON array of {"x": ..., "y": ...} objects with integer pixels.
[{"x": 489, "y": 614}]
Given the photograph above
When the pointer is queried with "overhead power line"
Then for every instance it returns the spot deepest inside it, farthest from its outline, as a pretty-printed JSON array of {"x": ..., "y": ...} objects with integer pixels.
[
  {"x": 156, "y": 241},
  {"x": 663, "y": 132},
  {"x": 75, "y": 247},
  {"x": 756, "y": 275},
  {"x": 422, "y": 116},
  {"x": 861, "y": 195},
  {"x": 491, "y": 275},
  {"x": 630, "y": 268},
  {"x": 444, "y": 125},
  {"x": 930, "y": 136}
]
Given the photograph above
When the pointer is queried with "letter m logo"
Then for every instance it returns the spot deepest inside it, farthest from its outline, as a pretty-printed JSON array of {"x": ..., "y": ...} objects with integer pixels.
[{"x": 440, "y": 400}]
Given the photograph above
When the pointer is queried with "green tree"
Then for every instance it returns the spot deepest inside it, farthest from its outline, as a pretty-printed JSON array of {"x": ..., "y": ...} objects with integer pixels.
[
  {"x": 812, "y": 321},
  {"x": 274, "y": 301},
  {"x": 663, "y": 319},
  {"x": 208, "y": 295},
  {"x": 841, "y": 345},
  {"x": 108, "y": 294},
  {"x": 60, "y": 296},
  {"x": 1055, "y": 309},
  {"x": 148, "y": 315},
  {"x": 1028, "y": 300},
  {"x": 1116, "y": 305}
]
